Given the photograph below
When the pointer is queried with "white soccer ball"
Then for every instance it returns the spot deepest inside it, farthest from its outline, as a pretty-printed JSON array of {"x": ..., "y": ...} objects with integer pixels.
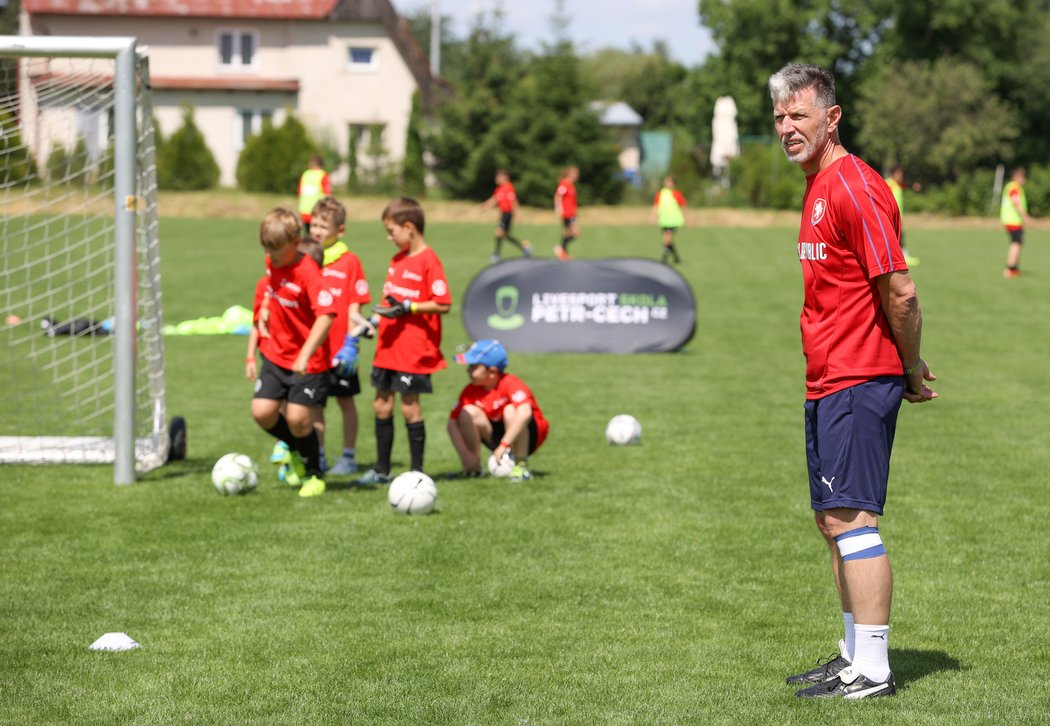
[
  {"x": 412, "y": 493},
  {"x": 234, "y": 474},
  {"x": 623, "y": 430},
  {"x": 501, "y": 468}
]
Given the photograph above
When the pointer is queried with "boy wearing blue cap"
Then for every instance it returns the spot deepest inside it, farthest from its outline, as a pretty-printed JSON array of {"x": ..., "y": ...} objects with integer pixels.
[{"x": 496, "y": 409}]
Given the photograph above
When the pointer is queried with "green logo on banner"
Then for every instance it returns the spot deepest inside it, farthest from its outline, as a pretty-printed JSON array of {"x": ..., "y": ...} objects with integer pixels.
[{"x": 506, "y": 317}]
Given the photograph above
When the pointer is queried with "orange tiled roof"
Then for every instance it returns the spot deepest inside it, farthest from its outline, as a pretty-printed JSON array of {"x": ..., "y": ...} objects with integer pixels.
[{"x": 276, "y": 9}]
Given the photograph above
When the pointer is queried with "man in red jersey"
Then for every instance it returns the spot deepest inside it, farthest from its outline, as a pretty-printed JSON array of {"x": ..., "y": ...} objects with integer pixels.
[
  {"x": 408, "y": 342},
  {"x": 565, "y": 206},
  {"x": 861, "y": 330},
  {"x": 506, "y": 200},
  {"x": 496, "y": 409},
  {"x": 295, "y": 358}
]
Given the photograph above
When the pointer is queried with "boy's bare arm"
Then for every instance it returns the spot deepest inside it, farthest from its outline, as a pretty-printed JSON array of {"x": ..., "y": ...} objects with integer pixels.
[
  {"x": 249, "y": 361},
  {"x": 317, "y": 336}
]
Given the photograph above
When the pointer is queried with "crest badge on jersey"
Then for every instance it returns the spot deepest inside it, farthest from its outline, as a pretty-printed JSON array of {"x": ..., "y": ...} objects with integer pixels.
[{"x": 819, "y": 207}]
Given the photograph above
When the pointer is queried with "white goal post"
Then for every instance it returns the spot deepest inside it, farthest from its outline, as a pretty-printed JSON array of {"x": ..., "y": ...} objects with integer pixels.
[{"x": 83, "y": 373}]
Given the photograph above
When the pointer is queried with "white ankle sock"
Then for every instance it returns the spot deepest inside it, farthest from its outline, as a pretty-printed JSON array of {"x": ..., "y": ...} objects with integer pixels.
[{"x": 871, "y": 652}]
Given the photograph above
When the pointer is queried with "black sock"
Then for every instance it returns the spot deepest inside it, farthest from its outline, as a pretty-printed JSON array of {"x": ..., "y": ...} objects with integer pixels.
[
  {"x": 565, "y": 242},
  {"x": 417, "y": 439},
  {"x": 384, "y": 443},
  {"x": 516, "y": 241},
  {"x": 499, "y": 243},
  {"x": 309, "y": 449},
  {"x": 281, "y": 431}
]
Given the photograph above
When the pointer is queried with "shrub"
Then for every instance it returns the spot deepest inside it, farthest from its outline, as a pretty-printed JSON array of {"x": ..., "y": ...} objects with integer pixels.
[
  {"x": 18, "y": 164},
  {"x": 184, "y": 162},
  {"x": 762, "y": 177},
  {"x": 273, "y": 160}
]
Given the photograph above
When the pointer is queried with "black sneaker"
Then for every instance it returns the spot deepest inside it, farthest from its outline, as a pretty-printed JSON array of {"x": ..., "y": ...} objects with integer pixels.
[
  {"x": 851, "y": 685},
  {"x": 825, "y": 669}
]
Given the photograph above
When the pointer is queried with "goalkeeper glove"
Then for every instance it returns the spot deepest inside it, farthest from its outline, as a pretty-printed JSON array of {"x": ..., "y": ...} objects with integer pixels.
[
  {"x": 392, "y": 308},
  {"x": 345, "y": 361}
]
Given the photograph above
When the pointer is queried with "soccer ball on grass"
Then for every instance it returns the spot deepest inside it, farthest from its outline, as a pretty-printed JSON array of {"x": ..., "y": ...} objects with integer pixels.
[
  {"x": 234, "y": 474},
  {"x": 412, "y": 493},
  {"x": 623, "y": 430}
]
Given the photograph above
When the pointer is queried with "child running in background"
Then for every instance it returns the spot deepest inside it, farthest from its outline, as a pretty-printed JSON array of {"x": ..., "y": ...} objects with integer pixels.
[
  {"x": 496, "y": 409},
  {"x": 667, "y": 210},
  {"x": 506, "y": 199},
  {"x": 408, "y": 341},
  {"x": 294, "y": 354},
  {"x": 565, "y": 206}
]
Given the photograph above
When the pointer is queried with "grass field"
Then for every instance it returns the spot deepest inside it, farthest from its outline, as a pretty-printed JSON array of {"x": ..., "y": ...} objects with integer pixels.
[{"x": 677, "y": 581}]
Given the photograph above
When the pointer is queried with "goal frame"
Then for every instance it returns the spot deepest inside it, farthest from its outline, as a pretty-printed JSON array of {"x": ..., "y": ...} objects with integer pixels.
[{"x": 124, "y": 51}]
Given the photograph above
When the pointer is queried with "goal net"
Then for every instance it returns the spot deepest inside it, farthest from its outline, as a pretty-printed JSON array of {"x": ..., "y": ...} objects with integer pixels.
[{"x": 82, "y": 372}]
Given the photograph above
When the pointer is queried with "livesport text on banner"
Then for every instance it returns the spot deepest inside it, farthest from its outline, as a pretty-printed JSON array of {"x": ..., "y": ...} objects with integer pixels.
[{"x": 620, "y": 305}]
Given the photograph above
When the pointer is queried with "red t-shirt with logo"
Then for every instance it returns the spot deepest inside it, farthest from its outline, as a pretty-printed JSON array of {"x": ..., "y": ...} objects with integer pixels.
[
  {"x": 567, "y": 192},
  {"x": 346, "y": 279},
  {"x": 509, "y": 390},
  {"x": 412, "y": 342},
  {"x": 505, "y": 197},
  {"x": 849, "y": 236},
  {"x": 298, "y": 295}
]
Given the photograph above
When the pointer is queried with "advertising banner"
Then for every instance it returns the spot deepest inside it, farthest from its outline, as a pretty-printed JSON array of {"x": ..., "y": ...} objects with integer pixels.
[{"x": 620, "y": 305}]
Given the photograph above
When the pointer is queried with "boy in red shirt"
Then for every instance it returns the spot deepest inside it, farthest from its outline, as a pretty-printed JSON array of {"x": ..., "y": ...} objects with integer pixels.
[
  {"x": 345, "y": 278},
  {"x": 294, "y": 354},
  {"x": 496, "y": 409},
  {"x": 408, "y": 341},
  {"x": 506, "y": 199},
  {"x": 565, "y": 206}
]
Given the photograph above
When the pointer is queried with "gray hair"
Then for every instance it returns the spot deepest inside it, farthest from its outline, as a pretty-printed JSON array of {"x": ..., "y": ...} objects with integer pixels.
[{"x": 796, "y": 77}]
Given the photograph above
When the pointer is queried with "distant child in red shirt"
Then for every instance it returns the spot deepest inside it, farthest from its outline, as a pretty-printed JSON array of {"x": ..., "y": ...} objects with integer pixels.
[
  {"x": 565, "y": 206},
  {"x": 496, "y": 409},
  {"x": 506, "y": 199},
  {"x": 343, "y": 274},
  {"x": 295, "y": 358},
  {"x": 408, "y": 342}
]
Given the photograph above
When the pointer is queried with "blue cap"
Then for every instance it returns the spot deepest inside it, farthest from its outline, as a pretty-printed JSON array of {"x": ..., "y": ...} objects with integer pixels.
[{"x": 487, "y": 352}]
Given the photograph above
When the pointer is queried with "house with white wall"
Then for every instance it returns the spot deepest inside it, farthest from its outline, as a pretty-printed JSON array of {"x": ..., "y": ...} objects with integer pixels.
[{"x": 342, "y": 66}]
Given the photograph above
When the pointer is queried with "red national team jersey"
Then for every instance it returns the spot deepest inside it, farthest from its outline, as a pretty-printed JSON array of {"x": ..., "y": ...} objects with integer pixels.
[
  {"x": 567, "y": 192},
  {"x": 505, "y": 197},
  {"x": 850, "y": 234},
  {"x": 346, "y": 279},
  {"x": 412, "y": 343},
  {"x": 298, "y": 295},
  {"x": 510, "y": 389}
]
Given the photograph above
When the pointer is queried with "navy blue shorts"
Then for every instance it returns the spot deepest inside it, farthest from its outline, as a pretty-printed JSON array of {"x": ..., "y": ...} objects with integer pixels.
[{"x": 849, "y": 437}]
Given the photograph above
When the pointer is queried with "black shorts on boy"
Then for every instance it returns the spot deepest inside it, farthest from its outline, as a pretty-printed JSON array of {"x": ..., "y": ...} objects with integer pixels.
[{"x": 283, "y": 384}]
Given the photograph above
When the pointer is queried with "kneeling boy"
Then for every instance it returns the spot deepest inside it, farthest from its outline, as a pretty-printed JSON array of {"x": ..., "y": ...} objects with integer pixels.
[{"x": 496, "y": 409}]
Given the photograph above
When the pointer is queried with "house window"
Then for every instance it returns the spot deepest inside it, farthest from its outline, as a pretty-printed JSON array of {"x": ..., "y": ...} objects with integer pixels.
[
  {"x": 249, "y": 121},
  {"x": 362, "y": 58},
  {"x": 367, "y": 138},
  {"x": 237, "y": 49}
]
